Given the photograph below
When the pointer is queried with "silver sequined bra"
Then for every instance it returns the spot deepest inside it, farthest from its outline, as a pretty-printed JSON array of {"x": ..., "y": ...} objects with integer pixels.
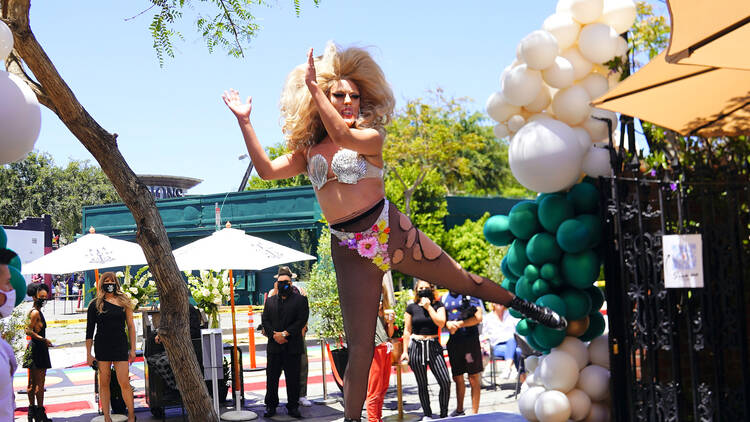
[{"x": 347, "y": 166}]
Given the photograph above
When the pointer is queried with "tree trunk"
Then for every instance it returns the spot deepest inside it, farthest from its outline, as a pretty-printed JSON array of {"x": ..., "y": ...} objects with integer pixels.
[{"x": 150, "y": 234}]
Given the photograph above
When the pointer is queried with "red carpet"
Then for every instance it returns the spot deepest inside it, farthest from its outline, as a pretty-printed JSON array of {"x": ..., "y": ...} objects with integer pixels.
[{"x": 59, "y": 407}]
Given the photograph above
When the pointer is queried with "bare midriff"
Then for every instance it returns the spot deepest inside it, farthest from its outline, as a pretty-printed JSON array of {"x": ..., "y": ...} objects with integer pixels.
[{"x": 341, "y": 201}]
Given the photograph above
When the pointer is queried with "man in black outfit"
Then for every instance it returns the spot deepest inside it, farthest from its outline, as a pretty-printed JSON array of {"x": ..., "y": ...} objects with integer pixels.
[{"x": 284, "y": 316}]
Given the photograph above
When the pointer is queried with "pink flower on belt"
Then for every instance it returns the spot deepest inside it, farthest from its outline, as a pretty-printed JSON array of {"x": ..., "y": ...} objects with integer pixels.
[{"x": 368, "y": 247}]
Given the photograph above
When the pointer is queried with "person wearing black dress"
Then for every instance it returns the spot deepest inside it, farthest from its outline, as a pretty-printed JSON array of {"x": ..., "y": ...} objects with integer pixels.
[
  {"x": 36, "y": 358},
  {"x": 108, "y": 315}
]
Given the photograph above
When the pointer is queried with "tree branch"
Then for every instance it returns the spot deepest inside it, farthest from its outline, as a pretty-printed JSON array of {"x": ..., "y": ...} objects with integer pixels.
[
  {"x": 14, "y": 66},
  {"x": 233, "y": 26}
]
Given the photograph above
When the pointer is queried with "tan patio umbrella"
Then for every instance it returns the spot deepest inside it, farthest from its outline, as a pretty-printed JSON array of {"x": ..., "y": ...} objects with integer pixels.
[
  {"x": 710, "y": 33},
  {"x": 689, "y": 99}
]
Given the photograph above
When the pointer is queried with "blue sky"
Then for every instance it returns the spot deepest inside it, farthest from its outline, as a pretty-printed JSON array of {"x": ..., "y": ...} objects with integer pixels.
[{"x": 172, "y": 121}]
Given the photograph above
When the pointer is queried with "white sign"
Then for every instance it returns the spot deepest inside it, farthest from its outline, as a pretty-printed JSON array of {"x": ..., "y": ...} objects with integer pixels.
[{"x": 683, "y": 261}]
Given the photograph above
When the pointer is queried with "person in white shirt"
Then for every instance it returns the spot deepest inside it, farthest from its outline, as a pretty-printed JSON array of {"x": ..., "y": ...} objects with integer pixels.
[
  {"x": 8, "y": 363},
  {"x": 498, "y": 327}
]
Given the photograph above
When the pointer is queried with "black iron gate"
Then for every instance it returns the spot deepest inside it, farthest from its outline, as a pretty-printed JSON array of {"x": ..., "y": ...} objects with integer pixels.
[{"x": 678, "y": 354}]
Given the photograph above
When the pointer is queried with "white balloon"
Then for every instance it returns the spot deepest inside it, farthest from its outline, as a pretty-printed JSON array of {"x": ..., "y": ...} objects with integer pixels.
[
  {"x": 20, "y": 118},
  {"x": 600, "y": 69},
  {"x": 580, "y": 404},
  {"x": 584, "y": 140},
  {"x": 597, "y": 42},
  {"x": 571, "y": 105},
  {"x": 581, "y": 66},
  {"x": 597, "y": 129},
  {"x": 539, "y": 49},
  {"x": 563, "y": 6},
  {"x": 599, "y": 351},
  {"x": 552, "y": 406},
  {"x": 560, "y": 74},
  {"x": 521, "y": 85},
  {"x": 594, "y": 381},
  {"x": 622, "y": 47},
  {"x": 564, "y": 28},
  {"x": 619, "y": 14},
  {"x": 515, "y": 123},
  {"x": 598, "y": 413},
  {"x": 559, "y": 371},
  {"x": 586, "y": 11},
  {"x": 544, "y": 156},
  {"x": 526, "y": 402},
  {"x": 596, "y": 162},
  {"x": 6, "y": 41},
  {"x": 595, "y": 84},
  {"x": 532, "y": 381},
  {"x": 541, "y": 102},
  {"x": 499, "y": 109},
  {"x": 575, "y": 348},
  {"x": 501, "y": 131},
  {"x": 537, "y": 116},
  {"x": 615, "y": 140},
  {"x": 531, "y": 362}
]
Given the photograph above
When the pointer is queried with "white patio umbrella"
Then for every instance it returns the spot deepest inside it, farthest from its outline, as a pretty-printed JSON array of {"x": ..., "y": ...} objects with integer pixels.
[
  {"x": 90, "y": 252},
  {"x": 232, "y": 249}
]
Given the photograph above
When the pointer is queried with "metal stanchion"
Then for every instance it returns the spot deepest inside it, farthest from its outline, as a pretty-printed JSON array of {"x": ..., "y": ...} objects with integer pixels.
[{"x": 325, "y": 399}]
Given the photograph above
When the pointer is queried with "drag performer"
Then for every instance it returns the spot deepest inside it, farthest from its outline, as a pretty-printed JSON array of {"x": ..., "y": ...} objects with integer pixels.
[{"x": 334, "y": 110}]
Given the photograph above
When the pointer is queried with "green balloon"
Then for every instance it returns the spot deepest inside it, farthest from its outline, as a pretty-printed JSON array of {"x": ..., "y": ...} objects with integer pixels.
[
  {"x": 508, "y": 285},
  {"x": 573, "y": 236},
  {"x": 577, "y": 303},
  {"x": 548, "y": 338},
  {"x": 541, "y": 288},
  {"x": 506, "y": 270},
  {"x": 533, "y": 343},
  {"x": 524, "y": 290},
  {"x": 531, "y": 272},
  {"x": 585, "y": 198},
  {"x": 523, "y": 220},
  {"x": 556, "y": 283},
  {"x": 15, "y": 263},
  {"x": 549, "y": 271},
  {"x": 594, "y": 225},
  {"x": 3, "y": 238},
  {"x": 580, "y": 269},
  {"x": 497, "y": 230},
  {"x": 553, "y": 302},
  {"x": 542, "y": 248},
  {"x": 525, "y": 327},
  {"x": 542, "y": 196},
  {"x": 516, "y": 256},
  {"x": 514, "y": 313},
  {"x": 553, "y": 210},
  {"x": 597, "y": 297},
  {"x": 18, "y": 283},
  {"x": 596, "y": 327}
]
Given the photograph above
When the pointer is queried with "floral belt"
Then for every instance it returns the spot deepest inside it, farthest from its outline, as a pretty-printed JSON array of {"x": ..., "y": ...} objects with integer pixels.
[{"x": 371, "y": 243}]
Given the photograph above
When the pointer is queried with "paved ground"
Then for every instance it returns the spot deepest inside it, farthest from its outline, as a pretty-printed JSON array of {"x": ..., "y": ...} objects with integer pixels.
[{"x": 70, "y": 384}]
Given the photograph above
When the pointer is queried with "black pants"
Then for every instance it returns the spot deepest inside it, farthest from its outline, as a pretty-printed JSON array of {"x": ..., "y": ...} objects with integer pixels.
[{"x": 290, "y": 363}]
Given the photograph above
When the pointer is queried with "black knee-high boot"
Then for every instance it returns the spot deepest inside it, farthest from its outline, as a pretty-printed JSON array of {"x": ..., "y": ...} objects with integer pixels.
[
  {"x": 541, "y": 314},
  {"x": 32, "y": 413},
  {"x": 41, "y": 415}
]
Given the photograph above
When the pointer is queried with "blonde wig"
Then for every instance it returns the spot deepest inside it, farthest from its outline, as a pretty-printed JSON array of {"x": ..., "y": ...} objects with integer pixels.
[
  {"x": 302, "y": 126},
  {"x": 119, "y": 296}
]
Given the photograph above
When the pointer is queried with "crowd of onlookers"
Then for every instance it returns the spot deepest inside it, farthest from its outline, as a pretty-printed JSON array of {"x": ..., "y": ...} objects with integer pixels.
[{"x": 63, "y": 286}]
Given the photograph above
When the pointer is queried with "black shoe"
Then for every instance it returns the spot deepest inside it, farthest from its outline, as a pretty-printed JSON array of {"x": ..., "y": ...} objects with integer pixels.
[
  {"x": 32, "y": 412},
  {"x": 41, "y": 415},
  {"x": 540, "y": 314},
  {"x": 294, "y": 413},
  {"x": 270, "y": 412}
]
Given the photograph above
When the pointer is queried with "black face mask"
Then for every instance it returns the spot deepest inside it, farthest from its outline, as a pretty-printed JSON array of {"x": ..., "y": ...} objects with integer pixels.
[
  {"x": 425, "y": 293},
  {"x": 109, "y": 288},
  {"x": 285, "y": 288},
  {"x": 39, "y": 302}
]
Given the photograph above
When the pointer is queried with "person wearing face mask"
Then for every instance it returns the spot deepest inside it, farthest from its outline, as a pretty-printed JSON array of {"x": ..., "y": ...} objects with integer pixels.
[
  {"x": 8, "y": 362},
  {"x": 108, "y": 315},
  {"x": 38, "y": 361},
  {"x": 284, "y": 317},
  {"x": 422, "y": 321}
]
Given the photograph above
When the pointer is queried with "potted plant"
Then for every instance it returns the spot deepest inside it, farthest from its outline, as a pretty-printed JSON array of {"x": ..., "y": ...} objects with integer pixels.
[
  {"x": 139, "y": 288},
  {"x": 322, "y": 292},
  {"x": 210, "y": 289}
]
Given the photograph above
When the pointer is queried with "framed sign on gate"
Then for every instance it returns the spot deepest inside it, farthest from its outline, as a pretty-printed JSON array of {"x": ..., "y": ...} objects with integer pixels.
[{"x": 683, "y": 261}]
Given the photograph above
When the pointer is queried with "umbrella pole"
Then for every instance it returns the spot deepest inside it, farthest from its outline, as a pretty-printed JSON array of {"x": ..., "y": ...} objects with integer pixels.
[
  {"x": 96, "y": 279},
  {"x": 238, "y": 414}
]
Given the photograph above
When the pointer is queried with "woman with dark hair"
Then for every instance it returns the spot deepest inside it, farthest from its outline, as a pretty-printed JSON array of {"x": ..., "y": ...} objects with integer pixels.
[
  {"x": 108, "y": 315},
  {"x": 423, "y": 319},
  {"x": 334, "y": 112},
  {"x": 37, "y": 358}
]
